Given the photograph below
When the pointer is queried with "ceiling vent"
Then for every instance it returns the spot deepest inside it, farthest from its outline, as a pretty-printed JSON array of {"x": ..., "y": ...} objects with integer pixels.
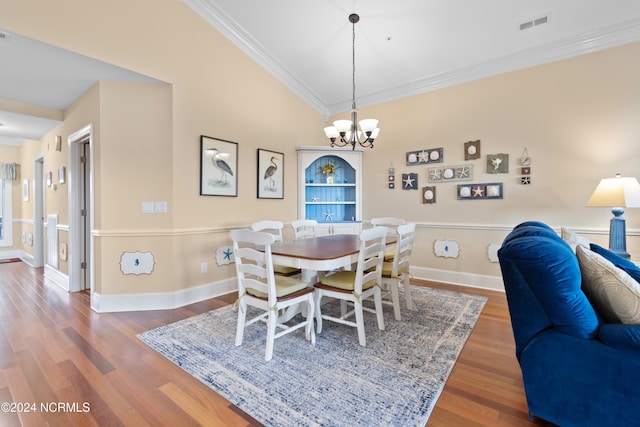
[
  {"x": 535, "y": 22},
  {"x": 5, "y": 36}
]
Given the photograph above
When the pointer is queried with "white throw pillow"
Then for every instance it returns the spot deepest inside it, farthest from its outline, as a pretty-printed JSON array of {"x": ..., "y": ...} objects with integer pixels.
[
  {"x": 573, "y": 239},
  {"x": 613, "y": 293}
]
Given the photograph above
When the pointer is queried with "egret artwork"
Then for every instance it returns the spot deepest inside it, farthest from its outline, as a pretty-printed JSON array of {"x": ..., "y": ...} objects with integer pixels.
[
  {"x": 270, "y": 174},
  {"x": 218, "y": 167},
  {"x": 218, "y": 161}
]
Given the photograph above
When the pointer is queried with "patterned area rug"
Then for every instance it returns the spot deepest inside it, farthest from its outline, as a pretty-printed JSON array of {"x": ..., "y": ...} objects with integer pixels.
[{"x": 394, "y": 381}]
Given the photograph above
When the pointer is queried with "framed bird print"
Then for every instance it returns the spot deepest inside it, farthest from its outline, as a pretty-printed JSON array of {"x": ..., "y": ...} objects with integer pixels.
[
  {"x": 270, "y": 174},
  {"x": 218, "y": 167}
]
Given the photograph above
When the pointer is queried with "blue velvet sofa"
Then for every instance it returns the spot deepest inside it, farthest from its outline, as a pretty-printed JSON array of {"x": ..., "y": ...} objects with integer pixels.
[{"x": 577, "y": 370}]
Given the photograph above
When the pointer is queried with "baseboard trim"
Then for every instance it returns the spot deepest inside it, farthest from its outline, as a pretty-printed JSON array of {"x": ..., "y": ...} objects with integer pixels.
[
  {"x": 161, "y": 301},
  {"x": 57, "y": 277},
  {"x": 493, "y": 283}
]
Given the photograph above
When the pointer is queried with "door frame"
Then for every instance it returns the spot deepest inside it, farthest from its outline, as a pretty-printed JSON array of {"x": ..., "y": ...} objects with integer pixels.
[
  {"x": 76, "y": 275},
  {"x": 39, "y": 210}
]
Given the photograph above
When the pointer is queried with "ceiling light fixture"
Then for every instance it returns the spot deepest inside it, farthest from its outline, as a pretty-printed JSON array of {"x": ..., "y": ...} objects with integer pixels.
[{"x": 345, "y": 132}]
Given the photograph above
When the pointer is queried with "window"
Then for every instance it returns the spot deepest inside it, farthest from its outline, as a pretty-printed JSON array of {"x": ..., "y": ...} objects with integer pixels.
[{"x": 6, "y": 230}]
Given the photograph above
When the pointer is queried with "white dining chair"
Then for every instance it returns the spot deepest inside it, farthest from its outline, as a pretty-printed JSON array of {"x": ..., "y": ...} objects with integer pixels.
[
  {"x": 396, "y": 271},
  {"x": 275, "y": 228},
  {"x": 304, "y": 228},
  {"x": 391, "y": 223},
  {"x": 259, "y": 287},
  {"x": 387, "y": 221},
  {"x": 356, "y": 286}
]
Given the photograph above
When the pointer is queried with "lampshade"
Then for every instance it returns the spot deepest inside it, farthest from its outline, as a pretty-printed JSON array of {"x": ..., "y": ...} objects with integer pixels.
[
  {"x": 620, "y": 191},
  {"x": 617, "y": 193}
]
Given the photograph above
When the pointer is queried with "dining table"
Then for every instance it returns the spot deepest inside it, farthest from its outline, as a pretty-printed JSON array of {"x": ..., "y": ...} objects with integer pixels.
[{"x": 318, "y": 255}]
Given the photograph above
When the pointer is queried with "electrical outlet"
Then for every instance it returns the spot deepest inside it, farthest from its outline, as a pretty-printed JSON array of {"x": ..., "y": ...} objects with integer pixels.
[{"x": 204, "y": 267}]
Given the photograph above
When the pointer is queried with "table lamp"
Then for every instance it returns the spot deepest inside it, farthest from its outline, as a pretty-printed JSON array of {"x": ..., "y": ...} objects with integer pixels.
[{"x": 618, "y": 193}]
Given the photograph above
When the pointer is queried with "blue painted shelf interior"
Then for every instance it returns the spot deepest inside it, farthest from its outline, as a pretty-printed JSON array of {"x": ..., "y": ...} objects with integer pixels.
[{"x": 330, "y": 202}]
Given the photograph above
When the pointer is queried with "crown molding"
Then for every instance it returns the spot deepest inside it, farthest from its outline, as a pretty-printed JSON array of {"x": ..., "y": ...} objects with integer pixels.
[
  {"x": 592, "y": 41},
  {"x": 222, "y": 22}
]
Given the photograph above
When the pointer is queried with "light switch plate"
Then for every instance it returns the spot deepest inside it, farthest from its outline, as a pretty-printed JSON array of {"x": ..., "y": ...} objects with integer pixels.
[{"x": 147, "y": 207}]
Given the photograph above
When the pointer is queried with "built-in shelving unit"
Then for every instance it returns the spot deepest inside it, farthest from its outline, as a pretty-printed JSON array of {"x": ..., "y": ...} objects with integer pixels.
[{"x": 334, "y": 202}]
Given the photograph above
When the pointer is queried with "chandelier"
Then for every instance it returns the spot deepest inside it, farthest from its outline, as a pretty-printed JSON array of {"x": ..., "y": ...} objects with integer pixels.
[{"x": 345, "y": 132}]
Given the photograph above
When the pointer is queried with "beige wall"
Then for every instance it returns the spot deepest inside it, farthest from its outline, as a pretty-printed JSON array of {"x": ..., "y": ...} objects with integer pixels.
[
  {"x": 577, "y": 118},
  {"x": 216, "y": 90}
]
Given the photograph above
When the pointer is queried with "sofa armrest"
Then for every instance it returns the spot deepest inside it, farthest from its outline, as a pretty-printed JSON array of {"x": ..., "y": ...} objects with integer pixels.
[{"x": 625, "y": 337}]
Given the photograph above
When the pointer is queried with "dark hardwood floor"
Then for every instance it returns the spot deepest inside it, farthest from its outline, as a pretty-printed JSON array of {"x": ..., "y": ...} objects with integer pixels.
[{"x": 65, "y": 365}]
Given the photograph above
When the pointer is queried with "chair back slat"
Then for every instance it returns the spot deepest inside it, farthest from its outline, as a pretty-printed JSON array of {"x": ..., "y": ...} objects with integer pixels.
[
  {"x": 304, "y": 228},
  {"x": 269, "y": 226},
  {"x": 404, "y": 246},
  {"x": 253, "y": 264},
  {"x": 371, "y": 256}
]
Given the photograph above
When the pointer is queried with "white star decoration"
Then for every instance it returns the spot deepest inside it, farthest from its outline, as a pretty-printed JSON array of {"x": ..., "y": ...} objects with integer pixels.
[
  {"x": 463, "y": 172},
  {"x": 328, "y": 215},
  {"x": 408, "y": 181},
  {"x": 436, "y": 174},
  {"x": 478, "y": 192},
  {"x": 423, "y": 157}
]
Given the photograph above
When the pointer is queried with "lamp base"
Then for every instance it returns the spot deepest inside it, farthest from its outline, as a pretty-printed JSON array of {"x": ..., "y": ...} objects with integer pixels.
[{"x": 618, "y": 234}]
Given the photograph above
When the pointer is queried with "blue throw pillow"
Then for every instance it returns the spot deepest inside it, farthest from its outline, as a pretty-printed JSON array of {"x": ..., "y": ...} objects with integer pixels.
[
  {"x": 624, "y": 264},
  {"x": 625, "y": 337}
]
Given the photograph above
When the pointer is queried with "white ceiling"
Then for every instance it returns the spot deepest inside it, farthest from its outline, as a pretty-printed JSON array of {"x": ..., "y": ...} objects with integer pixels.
[{"x": 402, "y": 48}]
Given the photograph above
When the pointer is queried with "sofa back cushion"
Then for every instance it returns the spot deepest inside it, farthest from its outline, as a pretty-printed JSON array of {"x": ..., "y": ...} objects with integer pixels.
[
  {"x": 611, "y": 290},
  {"x": 542, "y": 280}
]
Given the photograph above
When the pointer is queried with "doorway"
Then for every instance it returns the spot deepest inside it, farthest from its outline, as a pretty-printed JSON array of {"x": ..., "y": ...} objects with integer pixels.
[
  {"x": 81, "y": 210},
  {"x": 38, "y": 211}
]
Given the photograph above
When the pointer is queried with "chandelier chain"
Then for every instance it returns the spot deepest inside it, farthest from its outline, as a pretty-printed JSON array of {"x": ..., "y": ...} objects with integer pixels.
[{"x": 353, "y": 75}]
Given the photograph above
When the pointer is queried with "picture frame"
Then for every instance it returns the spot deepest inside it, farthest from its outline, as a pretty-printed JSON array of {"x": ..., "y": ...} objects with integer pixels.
[
  {"x": 25, "y": 190},
  {"x": 218, "y": 167},
  {"x": 451, "y": 173},
  {"x": 491, "y": 190},
  {"x": 429, "y": 194},
  {"x": 270, "y": 178},
  {"x": 472, "y": 150},
  {"x": 62, "y": 175},
  {"x": 425, "y": 156}
]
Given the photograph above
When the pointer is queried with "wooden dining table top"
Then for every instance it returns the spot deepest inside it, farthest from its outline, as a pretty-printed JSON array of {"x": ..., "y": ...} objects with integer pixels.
[{"x": 321, "y": 247}]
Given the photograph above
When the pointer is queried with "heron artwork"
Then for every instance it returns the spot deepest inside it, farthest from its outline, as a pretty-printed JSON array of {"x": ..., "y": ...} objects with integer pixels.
[
  {"x": 268, "y": 174},
  {"x": 218, "y": 162}
]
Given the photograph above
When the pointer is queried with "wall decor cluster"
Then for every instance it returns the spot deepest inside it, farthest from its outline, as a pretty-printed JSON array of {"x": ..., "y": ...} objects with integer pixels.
[
  {"x": 525, "y": 170},
  {"x": 472, "y": 150},
  {"x": 491, "y": 190},
  {"x": 451, "y": 173},
  {"x": 498, "y": 163},
  {"x": 422, "y": 157},
  {"x": 392, "y": 177},
  {"x": 429, "y": 194},
  {"x": 218, "y": 167},
  {"x": 409, "y": 181},
  {"x": 270, "y": 174}
]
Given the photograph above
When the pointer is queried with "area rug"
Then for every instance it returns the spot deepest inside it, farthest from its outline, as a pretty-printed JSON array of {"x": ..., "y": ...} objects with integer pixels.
[{"x": 394, "y": 381}]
